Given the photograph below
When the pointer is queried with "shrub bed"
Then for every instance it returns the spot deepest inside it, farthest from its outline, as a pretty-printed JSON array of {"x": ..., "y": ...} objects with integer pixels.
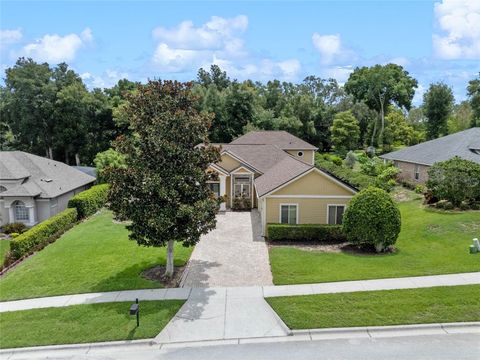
[
  {"x": 88, "y": 202},
  {"x": 13, "y": 228},
  {"x": 305, "y": 232},
  {"x": 42, "y": 234}
]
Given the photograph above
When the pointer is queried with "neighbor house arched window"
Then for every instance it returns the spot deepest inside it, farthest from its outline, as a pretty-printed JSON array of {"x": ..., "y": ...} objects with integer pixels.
[
  {"x": 21, "y": 211},
  {"x": 2, "y": 188}
]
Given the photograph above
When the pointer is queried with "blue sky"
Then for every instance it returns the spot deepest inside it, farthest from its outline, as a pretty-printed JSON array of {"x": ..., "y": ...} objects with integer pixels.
[{"x": 105, "y": 41}]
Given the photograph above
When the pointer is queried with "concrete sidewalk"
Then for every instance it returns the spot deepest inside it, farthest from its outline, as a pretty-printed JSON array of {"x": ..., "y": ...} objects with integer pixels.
[{"x": 249, "y": 292}]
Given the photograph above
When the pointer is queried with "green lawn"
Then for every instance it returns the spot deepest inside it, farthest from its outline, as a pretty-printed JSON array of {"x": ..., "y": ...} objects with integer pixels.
[
  {"x": 430, "y": 242},
  {"x": 4, "y": 247},
  {"x": 378, "y": 308},
  {"x": 95, "y": 255},
  {"x": 84, "y": 323}
]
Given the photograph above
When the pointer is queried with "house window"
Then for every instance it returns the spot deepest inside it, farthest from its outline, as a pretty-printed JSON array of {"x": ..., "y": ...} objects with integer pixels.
[
  {"x": 242, "y": 186},
  {"x": 288, "y": 213},
  {"x": 21, "y": 211},
  {"x": 300, "y": 153},
  {"x": 215, "y": 188},
  {"x": 335, "y": 214},
  {"x": 417, "y": 172}
]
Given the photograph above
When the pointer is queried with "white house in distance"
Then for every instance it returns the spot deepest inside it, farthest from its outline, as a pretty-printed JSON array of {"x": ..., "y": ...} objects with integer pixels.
[{"x": 34, "y": 188}]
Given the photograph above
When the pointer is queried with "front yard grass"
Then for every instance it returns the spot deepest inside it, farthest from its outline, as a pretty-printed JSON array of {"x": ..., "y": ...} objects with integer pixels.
[
  {"x": 379, "y": 308},
  {"x": 94, "y": 256},
  {"x": 84, "y": 323},
  {"x": 430, "y": 243}
]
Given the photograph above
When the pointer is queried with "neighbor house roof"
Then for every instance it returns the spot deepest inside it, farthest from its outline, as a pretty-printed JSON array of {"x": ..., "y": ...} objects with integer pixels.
[
  {"x": 465, "y": 144},
  {"x": 281, "y": 139},
  {"x": 39, "y": 176}
]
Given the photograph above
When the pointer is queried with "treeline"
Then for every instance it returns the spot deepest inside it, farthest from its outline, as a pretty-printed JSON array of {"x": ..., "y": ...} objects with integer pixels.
[{"x": 49, "y": 111}]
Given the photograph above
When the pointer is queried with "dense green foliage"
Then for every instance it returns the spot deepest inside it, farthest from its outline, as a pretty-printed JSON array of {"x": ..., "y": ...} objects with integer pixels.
[
  {"x": 88, "y": 202},
  {"x": 345, "y": 132},
  {"x": 40, "y": 235},
  {"x": 48, "y": 111},
  {"x": 473, "y": 91},
  {"x": 84, "y": 323},
  {"x": 456, "y": 180},
  {"x": 437, "y": 104},
  {"x": 107, "y": 159},
  {"x": 95, "y": 255},
  {"x": 163, "y": 188},
  {"x": 372, "y": 219},
  {"x": 4, "y": 248},
  {"x": 305, "y": 232},
  {"x": 380, "y": 308}
]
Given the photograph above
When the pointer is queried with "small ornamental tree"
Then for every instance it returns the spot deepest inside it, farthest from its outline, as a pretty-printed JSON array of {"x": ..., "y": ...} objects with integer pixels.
[
  {"x": 163, "y": 188},
  {"x": 455, "y": 180},
  {"x": 372, "y": 219}
]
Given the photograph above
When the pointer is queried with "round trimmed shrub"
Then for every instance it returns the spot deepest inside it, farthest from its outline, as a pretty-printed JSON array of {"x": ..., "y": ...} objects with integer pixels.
[{"x": 372, "y": 219}]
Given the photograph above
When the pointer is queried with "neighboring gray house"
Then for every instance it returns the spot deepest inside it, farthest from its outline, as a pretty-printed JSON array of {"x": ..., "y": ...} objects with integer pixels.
[
  {"x": 33, "y": 188},
  {"x": 414, "y": 161}
]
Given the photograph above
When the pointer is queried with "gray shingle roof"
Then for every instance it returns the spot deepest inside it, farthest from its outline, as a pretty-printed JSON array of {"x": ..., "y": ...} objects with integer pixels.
[
  {"x": 261, "y": 157},
  {"x": 465, "y": 144},
  {"x": 284, "y": 171},
  {"x": 282, "y": 139},
  {"x": 42, "y": 176}
]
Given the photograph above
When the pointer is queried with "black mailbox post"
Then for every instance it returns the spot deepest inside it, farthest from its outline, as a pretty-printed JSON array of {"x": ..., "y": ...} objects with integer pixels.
[{"x": 135, "y": 310}]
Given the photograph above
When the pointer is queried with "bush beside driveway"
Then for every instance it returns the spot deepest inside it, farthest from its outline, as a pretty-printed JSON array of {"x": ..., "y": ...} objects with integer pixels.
[
  {"x": 94, "y": 256},
  {"x": 430, "y": 243}
]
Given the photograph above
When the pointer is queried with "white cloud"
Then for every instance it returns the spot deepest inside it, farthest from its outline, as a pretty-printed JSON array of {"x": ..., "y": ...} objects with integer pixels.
[
  {"x": 106, "y": 80},
  {"x": 332, "y": 50},
  {"x": 55, "y": 48},
  {"x": 185, "y": 48},
  {"x": 10, "y": 36},
  {"x": 459, "y": 25}
]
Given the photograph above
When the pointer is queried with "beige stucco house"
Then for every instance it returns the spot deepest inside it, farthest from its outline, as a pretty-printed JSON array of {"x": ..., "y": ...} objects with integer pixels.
[
  {"x": 276, "y": 171},
  {"x": 34, "y": 188}
]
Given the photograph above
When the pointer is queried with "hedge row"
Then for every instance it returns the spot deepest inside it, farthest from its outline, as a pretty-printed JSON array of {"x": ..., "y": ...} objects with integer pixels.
[
  {"x": 88, "y": 202},
  {"x": 305, "y": 232},
  {"x": 42, "y": 234}
]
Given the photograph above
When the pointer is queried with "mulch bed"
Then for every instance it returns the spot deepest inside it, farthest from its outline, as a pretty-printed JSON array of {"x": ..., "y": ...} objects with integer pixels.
[
  {"x": 156, "y": 274},
  {"x": 330, "y": 248}
]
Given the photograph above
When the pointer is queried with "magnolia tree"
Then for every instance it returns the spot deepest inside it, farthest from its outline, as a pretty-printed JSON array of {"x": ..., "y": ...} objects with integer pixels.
[{"x": 163, "y": 188}]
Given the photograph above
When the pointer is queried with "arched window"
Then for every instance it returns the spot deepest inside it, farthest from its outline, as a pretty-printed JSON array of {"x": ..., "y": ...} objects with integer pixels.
[{"x": 21, "y": 211}]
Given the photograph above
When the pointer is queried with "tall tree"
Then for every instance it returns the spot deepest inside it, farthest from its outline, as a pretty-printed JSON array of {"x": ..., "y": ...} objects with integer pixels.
[
  {"x": 27, "y": 105},
  {"x": 163, "y": 189},
  {"x": 473, "y": 91},
  {"x": 345, "y": 132},
  {"x": 379, "y": 86},
  {"x": 437, "y": 105}
]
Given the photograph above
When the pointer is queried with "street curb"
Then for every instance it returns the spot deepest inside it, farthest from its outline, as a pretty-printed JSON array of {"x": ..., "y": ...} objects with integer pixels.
[
  {"x": 390, "y": 331},
  {"x": 295, "y": 335},
  {"x": 83, "y": 346}
]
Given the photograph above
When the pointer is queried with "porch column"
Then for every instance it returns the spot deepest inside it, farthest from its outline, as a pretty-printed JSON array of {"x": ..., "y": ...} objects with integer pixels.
[
  {"x": 11, "y": 214},
  {"x": 223, "y": 191}
]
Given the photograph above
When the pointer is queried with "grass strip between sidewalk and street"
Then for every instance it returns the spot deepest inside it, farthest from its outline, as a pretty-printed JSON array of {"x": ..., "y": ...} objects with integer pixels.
[
  {"x": 380, "y": 308},
  {"x": 84, "y": 323}
]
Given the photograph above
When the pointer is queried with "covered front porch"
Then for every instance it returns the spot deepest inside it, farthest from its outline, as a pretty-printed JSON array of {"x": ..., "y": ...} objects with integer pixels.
[{"x": 236, "y": 188}]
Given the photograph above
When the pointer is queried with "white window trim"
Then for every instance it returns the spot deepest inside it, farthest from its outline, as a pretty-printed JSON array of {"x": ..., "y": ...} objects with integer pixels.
[
  {"x": 328, "y": 212},
  {"x": 288, "y": 204}
]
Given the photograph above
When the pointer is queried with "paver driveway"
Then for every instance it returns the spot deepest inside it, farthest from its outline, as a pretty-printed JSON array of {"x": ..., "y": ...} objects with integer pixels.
[{"x": 234, "y": 254}]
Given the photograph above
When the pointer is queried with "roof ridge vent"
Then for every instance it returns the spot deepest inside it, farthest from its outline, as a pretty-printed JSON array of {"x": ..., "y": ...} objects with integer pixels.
[{"x": 47, "y": 180}]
